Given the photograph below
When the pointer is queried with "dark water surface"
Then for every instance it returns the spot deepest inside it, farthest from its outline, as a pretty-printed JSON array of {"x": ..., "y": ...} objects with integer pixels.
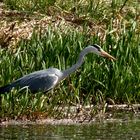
[{"x": 129, "y": 130}]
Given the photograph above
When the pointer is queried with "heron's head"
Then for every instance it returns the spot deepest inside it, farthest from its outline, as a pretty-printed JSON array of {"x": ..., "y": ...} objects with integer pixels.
[{"x": 99, "y": 51}]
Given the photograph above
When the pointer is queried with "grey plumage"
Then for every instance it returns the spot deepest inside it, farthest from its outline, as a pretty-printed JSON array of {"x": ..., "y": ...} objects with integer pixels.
[{"x": 44, "y": 80}]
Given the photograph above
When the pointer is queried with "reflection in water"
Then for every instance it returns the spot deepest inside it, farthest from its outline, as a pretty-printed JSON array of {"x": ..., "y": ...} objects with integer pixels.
[{"x": 121, "y": 130}]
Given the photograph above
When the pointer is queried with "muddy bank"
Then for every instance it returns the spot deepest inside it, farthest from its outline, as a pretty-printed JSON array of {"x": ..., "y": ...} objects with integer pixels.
[
  {"x": 83, "y": 115},
  {"x": 64, "y": 121}
]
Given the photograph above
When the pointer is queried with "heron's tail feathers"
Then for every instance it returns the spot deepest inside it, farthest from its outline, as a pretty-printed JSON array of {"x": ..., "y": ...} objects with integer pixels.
[{"x": 5, "y": 89}]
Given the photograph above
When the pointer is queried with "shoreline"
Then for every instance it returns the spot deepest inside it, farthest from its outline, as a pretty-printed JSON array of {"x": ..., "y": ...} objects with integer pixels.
[{"x": 113, "y": 113}]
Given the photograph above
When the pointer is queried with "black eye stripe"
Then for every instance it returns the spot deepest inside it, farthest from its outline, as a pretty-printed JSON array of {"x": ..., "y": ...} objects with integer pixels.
[{"x": 96, "y": 46}]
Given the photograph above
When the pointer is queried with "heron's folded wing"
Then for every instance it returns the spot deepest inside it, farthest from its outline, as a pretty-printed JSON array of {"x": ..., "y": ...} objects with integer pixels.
[{"x": 39, "y": 82}]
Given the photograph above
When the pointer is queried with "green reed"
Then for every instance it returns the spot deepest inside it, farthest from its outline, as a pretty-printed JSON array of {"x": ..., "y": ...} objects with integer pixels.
[{"x": 96, "y": 80}]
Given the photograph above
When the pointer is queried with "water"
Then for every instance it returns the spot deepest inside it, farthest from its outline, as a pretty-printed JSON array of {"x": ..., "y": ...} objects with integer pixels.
[{"x": 129, "y": 130}]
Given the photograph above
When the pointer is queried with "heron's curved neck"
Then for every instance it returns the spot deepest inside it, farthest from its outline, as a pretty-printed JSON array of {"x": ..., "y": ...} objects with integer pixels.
[{"x": 77, "y": 65}]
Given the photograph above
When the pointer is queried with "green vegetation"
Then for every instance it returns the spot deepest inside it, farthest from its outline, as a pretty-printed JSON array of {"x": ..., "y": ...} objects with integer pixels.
[{"x": 97, "y": 80}]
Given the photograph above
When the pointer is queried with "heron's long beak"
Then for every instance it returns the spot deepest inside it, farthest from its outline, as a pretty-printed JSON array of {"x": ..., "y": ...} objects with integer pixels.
[{"x": 105, "y": 54}]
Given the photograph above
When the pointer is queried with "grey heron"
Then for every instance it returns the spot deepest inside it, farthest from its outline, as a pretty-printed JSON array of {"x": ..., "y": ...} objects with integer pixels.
[{"x": 45, "y": 80}]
